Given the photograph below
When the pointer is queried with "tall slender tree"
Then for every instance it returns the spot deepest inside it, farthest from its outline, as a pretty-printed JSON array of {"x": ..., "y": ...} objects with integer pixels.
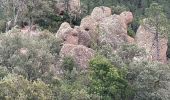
[{"x": 158, "y": 23}]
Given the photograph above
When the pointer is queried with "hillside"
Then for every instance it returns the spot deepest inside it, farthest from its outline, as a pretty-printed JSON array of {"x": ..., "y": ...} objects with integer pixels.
[{"x": 84, "y": 50}]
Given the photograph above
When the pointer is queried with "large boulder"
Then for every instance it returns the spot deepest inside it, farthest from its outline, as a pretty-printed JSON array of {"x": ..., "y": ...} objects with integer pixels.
[
  {"x": 79, "y": 53},
  {"x": 101, "y": 12},
  {"x": 67, "y": 34},
  {"x": 127, "y": 17},
  {"x": 83, "y": 37},
  {"x": 89, "y": 25},
  {"x": 112, "y": 25},
  {"x": 113, "y": 30},
  {"x": 75, "y": 35},
  {"x": 63, "y": 30},
  {"x": 98, "y": 27},
  {"x": 145, "y": 38}
]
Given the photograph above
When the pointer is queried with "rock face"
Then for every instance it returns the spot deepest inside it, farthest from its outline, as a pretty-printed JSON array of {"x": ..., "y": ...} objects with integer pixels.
[
  {"x": 79, "y": 53},
  {"x": 127, "y": 17},
  {"x": 74, "y": 36},
  {"x": 145, "y": 38},
  {"x": 102, "y": 27},
  {"x": 99, "y": 27},
  {"x": 67, "y": 34},
  {"x": 114, "y": 29},
  {"x": 101, "y": 12}
]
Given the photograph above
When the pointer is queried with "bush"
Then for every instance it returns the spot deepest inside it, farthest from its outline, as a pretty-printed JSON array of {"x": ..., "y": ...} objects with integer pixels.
[
  {"x": 16, "y": 87},
  {"x": 106, "y": 81},
  {"x": 2, "y": 25},
  {"x": 151, "y": 80},
  {"x": 30, "y": 57},
  {"x": 118, "y": 9}
]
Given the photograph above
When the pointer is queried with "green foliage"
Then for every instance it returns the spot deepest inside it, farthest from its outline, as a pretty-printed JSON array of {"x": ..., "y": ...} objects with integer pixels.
[
  {"x": 3, "y": 72},
  {"x": 106, "y": 80},
  {"x": 128, "y": 52},
  {"x": 116, "y": 75},
  {"x": 68, "y": 64},
  {"x": 15, "y": 87},
  {"x": 30, "y": 57},
  {"x": 2, "y": 25},
  {"x": 151, "y": 80},
  {"x": 131, "y": 32},
  {"x": 157, "y": 19},
  {"x": 118, "y": 9}
]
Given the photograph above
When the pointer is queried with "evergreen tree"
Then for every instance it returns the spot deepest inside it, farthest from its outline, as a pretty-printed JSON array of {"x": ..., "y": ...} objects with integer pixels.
[{"x": 158, "y": 22}]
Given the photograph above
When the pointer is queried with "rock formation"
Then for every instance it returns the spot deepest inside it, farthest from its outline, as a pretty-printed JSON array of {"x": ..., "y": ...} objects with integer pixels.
[
  {"x": 145, "y": 38},
  {"x": 99, "y": 27},
  {"x": 113, "y": 27},
  {"x": 79, "y": 53},
  {"x": 101, "y": 12},
  {"x": 102, "y": 27}
]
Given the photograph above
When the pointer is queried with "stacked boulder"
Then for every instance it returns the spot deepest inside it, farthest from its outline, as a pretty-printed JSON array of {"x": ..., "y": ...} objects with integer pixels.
[
  {"x": 105, "y": 27},
  {"x": 75, "y": 45},
  {"x": 101, "y": 26}
]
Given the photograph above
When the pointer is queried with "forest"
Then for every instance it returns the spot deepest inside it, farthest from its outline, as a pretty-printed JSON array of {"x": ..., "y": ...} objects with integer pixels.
[{"x": 84, "y": 50}]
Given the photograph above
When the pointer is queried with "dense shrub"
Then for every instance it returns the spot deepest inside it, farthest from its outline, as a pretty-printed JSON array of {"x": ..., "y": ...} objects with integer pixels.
[
  {"x": 17, "y": 87},
  {"x": 151, "y": 80},
  {"x": 31, "y": 57},
  {"x": 106, "y": 81}
]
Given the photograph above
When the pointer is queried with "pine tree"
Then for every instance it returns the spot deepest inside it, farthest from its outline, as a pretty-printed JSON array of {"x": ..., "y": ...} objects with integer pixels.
[{"x": 158, "y": 22}]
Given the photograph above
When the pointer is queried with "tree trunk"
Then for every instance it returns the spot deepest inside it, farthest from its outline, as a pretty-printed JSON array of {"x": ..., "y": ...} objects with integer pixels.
[
  {"x": 16, "y": 18},
  {"x": 157, "y": 47}
]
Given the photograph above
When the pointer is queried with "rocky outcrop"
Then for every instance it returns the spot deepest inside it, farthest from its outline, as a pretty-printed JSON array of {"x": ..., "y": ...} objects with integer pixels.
[
  {"x": 79, "y": 53},
  {"x": 101, "y": 12},
  {"x": 145, "y": 38},
  {"x": 114, "y": 29},
  {"x": 74, "y": 35},
  {"x": 100, "y": 27},
  {"x": 126, "y": 17},
  {"x": 67, "y": 34}
]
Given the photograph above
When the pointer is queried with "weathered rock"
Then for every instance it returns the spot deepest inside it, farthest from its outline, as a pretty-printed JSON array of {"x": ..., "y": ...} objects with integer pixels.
[
  {"x": 145, "y": 38},
  {"x": 101, "y": 12},
  {"x": 67, "y": 34},
  {"x": 127, "y": 17},
  {"x": 112, "y": 25},
  {"x": 113, "y": 31},
  {"x": 71, "y": 37},
  {"x": 100, "y": 23},
  {"x": 83, "y": 37},
  {"x": 79, "y": 53},
  {"x": 130, "y": 39},
  {"x": 74, "y": 36},
  {"x": 64, "y": 30},
  {"x": 104, "y": 27},
  {"x": 91, "y": 26}
]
